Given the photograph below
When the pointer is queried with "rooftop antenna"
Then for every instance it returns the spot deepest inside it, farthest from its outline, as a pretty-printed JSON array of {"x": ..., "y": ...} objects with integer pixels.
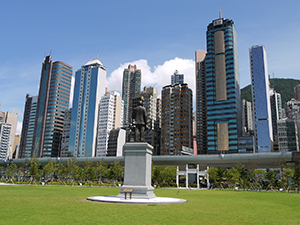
[
  {"x": 220, "y": 13},
  {"x": 50, "y": 52},
  {"x": 98, "y": 54}
]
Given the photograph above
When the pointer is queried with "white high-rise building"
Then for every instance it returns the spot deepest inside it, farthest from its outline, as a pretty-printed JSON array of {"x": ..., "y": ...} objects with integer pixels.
[
  {"x": 5, "y": 133},
  {"x": 110, "y": 117}
]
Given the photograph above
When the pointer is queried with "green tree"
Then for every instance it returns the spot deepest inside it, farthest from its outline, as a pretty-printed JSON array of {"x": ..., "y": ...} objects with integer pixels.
[
  {"x": 34, "y": 167},
  {"x": 270, "y": 179},
  {"x": 233, "y": 176},
  {"x": 12, "y": 172},
  {"x": 49, "y": 170},
  {"x": 244, "y": 180},
  {"x": 116, "y": 171},
  {"x": 260, "y": 177},
  {"x": 73, "y": 170},
  {"x": 101, "y": 170},
  {"x": 296, "y": 177},
  {"x": 89, "y": 171},
  {"x": 61, "y": 172},
  {"x": 213, "y": 176},
  {"x": 287, "y": 174}
]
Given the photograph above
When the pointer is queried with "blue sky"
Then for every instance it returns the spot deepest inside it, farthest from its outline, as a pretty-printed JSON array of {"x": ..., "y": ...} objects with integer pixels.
[{"x": 159, "y": 36}]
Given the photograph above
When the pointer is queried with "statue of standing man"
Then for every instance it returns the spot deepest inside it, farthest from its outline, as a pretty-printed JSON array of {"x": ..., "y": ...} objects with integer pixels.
[{"x": 139, "y": 120}]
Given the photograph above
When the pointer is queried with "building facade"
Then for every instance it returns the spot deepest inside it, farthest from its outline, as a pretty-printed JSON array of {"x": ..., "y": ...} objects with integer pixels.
[
  {"x": 297, "y": 92},
  {"x": 12, "y": 119},
  {"x": 131, "y": 87},
  {"x": 263, "y": 131},
  {"x": 152, "y": 134},
  {"x": 110, "y": 117},
  {"x": 288, "y": 137},
  {"x": 276, "y": 111},
  {"x": 89, "y": 88},
  {"x": 53, "y": 100},
  {"x": 177, "y": 78},
  {"x": 28, "y": 126},
  {"x": 222, "y": 88},
  {"x": 5, "y": 133},
  {"x": 177, "y": 119},
  {"x": 66, "y": 134},
  {"x": 201, "y": 122},
  {"x": 117, "y": 138},
  {"x": 247, "y": 117}
]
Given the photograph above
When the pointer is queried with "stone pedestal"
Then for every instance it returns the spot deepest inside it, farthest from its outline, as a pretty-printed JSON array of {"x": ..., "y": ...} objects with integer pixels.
[{"x": 138, "y": 160}]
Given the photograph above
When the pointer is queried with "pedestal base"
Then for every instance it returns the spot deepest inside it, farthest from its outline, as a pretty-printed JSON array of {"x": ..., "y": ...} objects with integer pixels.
[
  {"x": 140, "y": 192},
  {"x": 138, "y": 160}
]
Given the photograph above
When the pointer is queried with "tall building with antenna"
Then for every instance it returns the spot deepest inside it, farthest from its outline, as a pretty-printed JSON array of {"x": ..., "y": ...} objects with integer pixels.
[
  {"x": 222, "y": 87},
  {"x": 53, "y": 100}
]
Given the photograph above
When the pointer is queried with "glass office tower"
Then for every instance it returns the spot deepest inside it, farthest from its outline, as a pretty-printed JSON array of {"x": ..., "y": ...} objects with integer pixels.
[
  {"x": 53, "y": 100},
  {"x": 261, "y": 99},
  {"x": 89, "y": 87},
  {"x": 222, "y": 88},
  {"x": 28, "y": 126}
]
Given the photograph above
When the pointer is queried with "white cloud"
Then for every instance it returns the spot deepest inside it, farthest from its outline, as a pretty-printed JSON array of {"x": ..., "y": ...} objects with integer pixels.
[
  {"x": 19, "y": 127},
  {"x": 160, "y": 77}
]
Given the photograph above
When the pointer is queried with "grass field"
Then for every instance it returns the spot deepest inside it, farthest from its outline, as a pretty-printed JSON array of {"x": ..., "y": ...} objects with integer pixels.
[{"x": 68, "y": 205}]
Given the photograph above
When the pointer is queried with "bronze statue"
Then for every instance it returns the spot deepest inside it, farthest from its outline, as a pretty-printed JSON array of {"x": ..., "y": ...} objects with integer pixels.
[{"x": 139, "y": 121}]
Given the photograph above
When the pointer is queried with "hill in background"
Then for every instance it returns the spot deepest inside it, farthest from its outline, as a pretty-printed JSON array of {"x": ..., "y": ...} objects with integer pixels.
[{"x": 283, "y": 86}]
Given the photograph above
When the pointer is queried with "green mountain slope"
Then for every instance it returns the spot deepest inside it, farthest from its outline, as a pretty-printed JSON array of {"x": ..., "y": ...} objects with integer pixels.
[{"x": 283, "y": 86}]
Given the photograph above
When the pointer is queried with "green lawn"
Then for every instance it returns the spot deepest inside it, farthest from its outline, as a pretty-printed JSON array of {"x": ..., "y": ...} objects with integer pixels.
[{"x": 68, "y": 205}]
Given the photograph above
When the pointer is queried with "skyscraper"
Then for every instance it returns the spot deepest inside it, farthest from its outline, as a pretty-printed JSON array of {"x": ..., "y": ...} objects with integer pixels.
[
  {"x": 261, "y": 99},
  {"x": 177, "y": 78},
  {"x": 222, "y": 87},
  {"x": 53, "y": 100},
  {"x": 110, "y": 117},
  {"x": 89, "y": 88},
  {"x": 28, "y": 126},
  {"x": 131, "y": 87},
  {"x": 177, "y": 119},
  {"x": 201, "y": 123}
]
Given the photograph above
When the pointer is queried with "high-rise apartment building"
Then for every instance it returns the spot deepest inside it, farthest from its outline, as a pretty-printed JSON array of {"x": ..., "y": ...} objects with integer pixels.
[
  {"x": 247, "y": 117},
  {"x": 263, "y": 131},
  {"x": 152, "y": 134},
  {"x": 110, "y": 117},
  {"x": 288, "y": 135},
  {"x": 222, "y": 88},
  {"x": 297, "y": 92},
  {"x": 276, "y": 110},
  {"x": 12, "y": 119},
  {"x": 116, "y": 141},
  {"x": 177, "y": 119},
  {"x": 53, "y": 100},
  {"x": 5, "y": 133},
  {"x": 177, "y": 78},
  {"x": 131, "y": 87},
  {"x": 89, "y": 88},
  {"x": 201, "y": 123},
  {"x": 28, "y": 127}
]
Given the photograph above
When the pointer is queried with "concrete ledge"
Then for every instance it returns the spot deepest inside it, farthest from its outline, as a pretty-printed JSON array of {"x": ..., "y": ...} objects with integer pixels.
[{"x": 157, "y": 200}]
